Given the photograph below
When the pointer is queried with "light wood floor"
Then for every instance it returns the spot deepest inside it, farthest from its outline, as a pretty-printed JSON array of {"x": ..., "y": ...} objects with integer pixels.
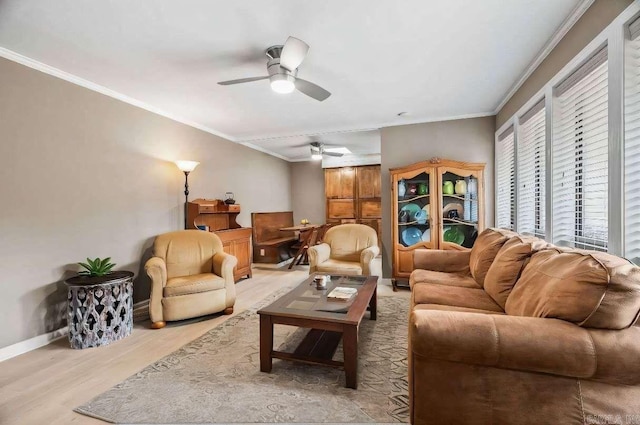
[{"x": 44, "y": 385}]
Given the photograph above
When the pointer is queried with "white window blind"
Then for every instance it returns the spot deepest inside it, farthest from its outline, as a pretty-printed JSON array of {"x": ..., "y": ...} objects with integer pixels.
[
  {"x": 632, "y": 143},
  {"x": 580, "y": 157},
  {"x": 531, "y": 171},
  {"x": 505, "y": 180}
]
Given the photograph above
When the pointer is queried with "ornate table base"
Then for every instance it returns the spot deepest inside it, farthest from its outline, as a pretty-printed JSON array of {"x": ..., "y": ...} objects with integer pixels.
[{"x": 100, "y": 313}]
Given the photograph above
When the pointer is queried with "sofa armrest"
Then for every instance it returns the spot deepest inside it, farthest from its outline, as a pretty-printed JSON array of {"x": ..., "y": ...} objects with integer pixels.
[
  {"x": 447, "y": 261},
  {"x": 156, "y": 269},
  {"x": 366, "y": 261},
  {"x": 318, "y": 254},
  {"x": 508, "y": 342},
  {"x": 223, "y": 265}
]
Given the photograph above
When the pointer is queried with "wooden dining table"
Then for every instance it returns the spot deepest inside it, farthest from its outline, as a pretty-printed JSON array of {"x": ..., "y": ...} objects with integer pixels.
[{"x": 300, "y": 227}]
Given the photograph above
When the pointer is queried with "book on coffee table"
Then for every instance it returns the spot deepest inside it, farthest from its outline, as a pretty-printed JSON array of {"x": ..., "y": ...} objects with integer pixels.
[{"x": 341, "y": 293}]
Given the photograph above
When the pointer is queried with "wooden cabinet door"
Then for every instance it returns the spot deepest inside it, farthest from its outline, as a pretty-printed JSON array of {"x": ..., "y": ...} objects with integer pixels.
[
  {"x": 369, "y": 182},
  {"x": 404, "y": 263},
  {"x": 237, "y": 242},
  {"x": 370, "y": 208},
  {"x": 332, "y": 183},
  {"x": 340, "y": 208},
  {"x": 347, "y": 182},
  {"x": 242, "y": 249},
  {"x": 339, "y": 183}
]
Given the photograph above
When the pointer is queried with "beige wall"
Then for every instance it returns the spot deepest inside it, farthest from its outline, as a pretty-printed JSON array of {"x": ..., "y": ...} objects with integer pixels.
[
  {"x": 82, "y": 174},
  {"x": 463, "y": 140},
  {"x": 592, "y": 23},
  {"x": 307, "y": 191}
]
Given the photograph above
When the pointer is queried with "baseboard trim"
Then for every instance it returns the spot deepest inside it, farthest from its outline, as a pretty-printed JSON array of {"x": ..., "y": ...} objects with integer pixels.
[
  {"x": 31, "y": 344},
  {"x": 271, "y": 266},
  {"x": 140, "y": 312}
]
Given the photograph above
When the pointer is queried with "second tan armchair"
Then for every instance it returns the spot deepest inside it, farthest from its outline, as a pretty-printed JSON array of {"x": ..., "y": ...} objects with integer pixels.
[
  {"x": 191, "y": 276},
  {"x": 347, "y": 249}
]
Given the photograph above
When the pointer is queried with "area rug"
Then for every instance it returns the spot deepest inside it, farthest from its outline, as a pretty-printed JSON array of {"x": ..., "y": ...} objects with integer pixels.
[{"x": 216, "y": 379}]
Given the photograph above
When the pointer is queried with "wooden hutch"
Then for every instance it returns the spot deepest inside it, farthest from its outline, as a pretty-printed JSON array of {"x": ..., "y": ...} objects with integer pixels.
[
  {"x": 217, "y": 217},
  {"x": 435, "y": 204},
  {"x": 353, "y": 196}
]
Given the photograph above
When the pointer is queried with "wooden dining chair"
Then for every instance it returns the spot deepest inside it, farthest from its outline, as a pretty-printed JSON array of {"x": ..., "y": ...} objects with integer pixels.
[
  {"x": 321, "y": 231},
  {"x": 307, "y": 238}
]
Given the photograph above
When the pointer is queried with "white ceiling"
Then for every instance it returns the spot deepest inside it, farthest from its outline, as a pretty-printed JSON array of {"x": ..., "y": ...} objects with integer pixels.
[{"x": 435, "y": 59}]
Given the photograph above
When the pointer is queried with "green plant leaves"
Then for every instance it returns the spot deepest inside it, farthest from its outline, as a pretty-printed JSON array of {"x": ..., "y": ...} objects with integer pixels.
[{"x": 97, "y": 267}]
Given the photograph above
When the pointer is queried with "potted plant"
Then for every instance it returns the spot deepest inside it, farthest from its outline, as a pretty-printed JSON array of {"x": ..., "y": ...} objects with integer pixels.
[
  {"x": 97, "y": 267},
  {"x": 100, "y": 307}
]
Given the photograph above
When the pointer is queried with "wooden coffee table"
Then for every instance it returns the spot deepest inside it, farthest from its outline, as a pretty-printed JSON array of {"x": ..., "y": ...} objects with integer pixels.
[{"x": 329, "y": 321}]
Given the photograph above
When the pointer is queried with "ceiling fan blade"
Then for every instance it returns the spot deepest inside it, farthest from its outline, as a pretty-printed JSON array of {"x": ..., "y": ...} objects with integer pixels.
[
  {"x": 332, "y": 153},
  {"x": 293, "y": 53},
  {"x": 311, "y": 90},
  {"x": 242, "y": 80}
]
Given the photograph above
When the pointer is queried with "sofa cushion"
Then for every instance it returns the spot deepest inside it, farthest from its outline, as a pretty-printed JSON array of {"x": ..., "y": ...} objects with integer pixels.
[
  {"x": 508, "y": 264},
  {"x": 452, "y": 279},
  {"x": 193, "y": 284},
  {"x": 455, "y": 296},
  {"x": 591, "y": 289},
  {"x": 484, "y": 251}
]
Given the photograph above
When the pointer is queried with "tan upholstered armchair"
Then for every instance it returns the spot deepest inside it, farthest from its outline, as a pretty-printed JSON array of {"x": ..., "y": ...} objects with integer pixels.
[
  {"x": 190, "y": 276},
  {"x": 347, "y": 249}
]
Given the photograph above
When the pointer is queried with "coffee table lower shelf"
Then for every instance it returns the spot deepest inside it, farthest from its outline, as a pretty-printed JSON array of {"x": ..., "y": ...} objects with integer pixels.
[{"x": 318, "y": 346}]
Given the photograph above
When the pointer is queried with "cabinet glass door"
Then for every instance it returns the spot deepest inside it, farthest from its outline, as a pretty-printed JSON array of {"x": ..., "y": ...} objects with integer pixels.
[
  {"x": 413, "y": 209},
  {"x": 459, "y": 207}
]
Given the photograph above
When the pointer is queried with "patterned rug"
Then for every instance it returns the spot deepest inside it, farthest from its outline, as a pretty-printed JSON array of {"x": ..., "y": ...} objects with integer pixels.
[{"x": 216, "y": 379}]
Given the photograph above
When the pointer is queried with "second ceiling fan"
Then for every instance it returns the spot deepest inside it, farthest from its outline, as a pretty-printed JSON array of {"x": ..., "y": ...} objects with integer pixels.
[
  {"x": 282, "y": 67},
  {"x": 319, "y": 149}
]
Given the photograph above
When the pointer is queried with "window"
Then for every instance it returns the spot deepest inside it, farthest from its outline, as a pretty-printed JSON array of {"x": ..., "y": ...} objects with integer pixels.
[
  {"x": 580, "y": 157},
  {"x": 531, "y": 171},
  {"x": 505, "y": 180},
  {"x": 632, "y": 143}
]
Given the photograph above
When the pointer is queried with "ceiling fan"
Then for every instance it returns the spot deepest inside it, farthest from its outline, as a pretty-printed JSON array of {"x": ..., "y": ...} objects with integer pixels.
[
  {"x": 282, "y": 67},
  {"x": 318, "y": 149}
]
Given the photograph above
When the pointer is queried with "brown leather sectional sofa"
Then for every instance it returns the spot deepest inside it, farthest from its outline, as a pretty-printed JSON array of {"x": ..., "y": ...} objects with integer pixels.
[{"x": 518, "y": 331}]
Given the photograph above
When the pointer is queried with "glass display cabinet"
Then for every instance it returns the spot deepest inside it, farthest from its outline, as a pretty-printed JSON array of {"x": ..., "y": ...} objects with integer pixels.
[
  {"x": 436, "y": 204},
  {"x": 460, "y": 200}
]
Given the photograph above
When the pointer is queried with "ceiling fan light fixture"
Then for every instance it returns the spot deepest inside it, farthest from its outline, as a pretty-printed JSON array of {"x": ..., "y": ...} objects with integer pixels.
[
  {"x": 316, "y": 156},
  {"x": 282, "y": 83}
]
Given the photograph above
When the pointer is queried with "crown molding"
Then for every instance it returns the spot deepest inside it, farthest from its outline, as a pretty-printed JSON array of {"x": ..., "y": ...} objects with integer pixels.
[
  {"x": 402, "y": 122},
  {"x": 372, "y": 127},
  {"x": 567, "y": 24},
  {"x": 63, "y": 75},
  {"x": 324, "y": 132},
  {"x": 261, "y": 149}
]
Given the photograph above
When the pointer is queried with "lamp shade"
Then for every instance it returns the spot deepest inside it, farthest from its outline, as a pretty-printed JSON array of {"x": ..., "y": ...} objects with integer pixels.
[{"x": 187, "y": 166}]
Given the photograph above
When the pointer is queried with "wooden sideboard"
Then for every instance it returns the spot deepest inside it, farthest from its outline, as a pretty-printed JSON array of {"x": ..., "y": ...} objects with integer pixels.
[{"x": 220, "y": 219}]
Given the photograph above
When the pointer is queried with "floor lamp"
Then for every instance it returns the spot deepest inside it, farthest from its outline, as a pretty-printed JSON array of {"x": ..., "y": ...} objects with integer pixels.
[{"x": 186, "y": 167}]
